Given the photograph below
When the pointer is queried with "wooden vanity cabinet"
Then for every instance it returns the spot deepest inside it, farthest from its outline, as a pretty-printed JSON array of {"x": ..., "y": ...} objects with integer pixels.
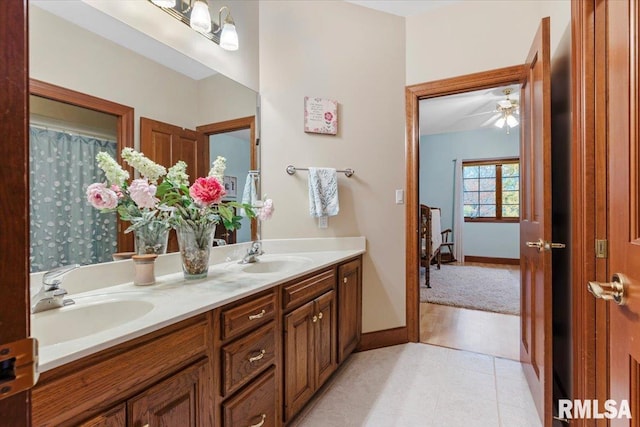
[
  {"x": 310, "y": 338},
  {"x": 146, "y": 380},
  {"x": 349, "y": 307},
  {"x": 247, "y": 345}
]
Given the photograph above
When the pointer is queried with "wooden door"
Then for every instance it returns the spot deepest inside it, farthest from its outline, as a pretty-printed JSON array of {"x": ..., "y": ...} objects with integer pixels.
[
  {"x": 166, "y": 144},
  {"x": 623, "y": 117},
  {"x": 115, "y": 417},
  {"x": 181, "y": 400},
  {"x": 299, "y": 349},
  {"x": 349, "y": 308},
  {"x": 14, "y": 231},
  {"x": 535, "y": 224},
  {"x": 326, "y": 352}
]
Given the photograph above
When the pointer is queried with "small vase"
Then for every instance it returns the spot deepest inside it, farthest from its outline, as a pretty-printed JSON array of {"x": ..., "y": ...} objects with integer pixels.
[
  {"x": 151, "y": 238},
  {"x": 195, "y": 245}
]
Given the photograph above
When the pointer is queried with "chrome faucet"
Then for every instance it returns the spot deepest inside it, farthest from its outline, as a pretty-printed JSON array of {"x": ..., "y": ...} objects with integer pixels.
[
  {"x": 253, "y": 253},
  {"x": 51, "y": 295}
]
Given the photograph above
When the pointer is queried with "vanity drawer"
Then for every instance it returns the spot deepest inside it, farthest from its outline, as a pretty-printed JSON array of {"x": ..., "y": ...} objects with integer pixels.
[
  {"x": 253, "y": 406},
  {"x": 248, "y": 315},
  {"x": 245, "y": 357},
  {"x": 305, "y": 290}
]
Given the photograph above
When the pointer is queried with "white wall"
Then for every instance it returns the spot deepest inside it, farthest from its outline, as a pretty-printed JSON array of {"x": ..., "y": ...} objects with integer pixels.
[
  {"x": 355, "y": 55},
  {"x": 437, "y": 153},
  {"x": 473, "y": 36}
]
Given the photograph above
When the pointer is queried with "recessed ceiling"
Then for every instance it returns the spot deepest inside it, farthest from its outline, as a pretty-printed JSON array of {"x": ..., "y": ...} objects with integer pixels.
[
  {"x": 464, "y": 111},
  {"x": 403, "y": 7}
]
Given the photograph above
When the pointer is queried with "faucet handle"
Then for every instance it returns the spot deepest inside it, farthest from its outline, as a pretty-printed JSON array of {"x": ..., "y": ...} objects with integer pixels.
[{"x": 51, "y": 281}]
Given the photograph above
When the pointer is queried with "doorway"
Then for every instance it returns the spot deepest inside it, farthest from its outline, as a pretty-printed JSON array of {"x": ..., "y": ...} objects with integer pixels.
[{"x": 469, "y": 214}]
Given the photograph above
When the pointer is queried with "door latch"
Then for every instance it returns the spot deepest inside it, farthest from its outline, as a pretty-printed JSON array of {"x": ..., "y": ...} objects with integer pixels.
[
  {"x": 18, "y": 366},
  {"x": 541, "y": 245}
]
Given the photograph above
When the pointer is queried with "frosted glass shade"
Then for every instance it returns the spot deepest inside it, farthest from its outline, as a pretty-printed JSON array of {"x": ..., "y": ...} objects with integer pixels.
[
  {"x": 200, "y": 17},
  {"x": 500, "y": 122},
  {"x": 229, "y": 37},
  {"x": 512, "y": 121}
]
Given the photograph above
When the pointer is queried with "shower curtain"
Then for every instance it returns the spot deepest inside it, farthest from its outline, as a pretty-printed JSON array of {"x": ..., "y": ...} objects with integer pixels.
[{"x": 63, "y": 227}]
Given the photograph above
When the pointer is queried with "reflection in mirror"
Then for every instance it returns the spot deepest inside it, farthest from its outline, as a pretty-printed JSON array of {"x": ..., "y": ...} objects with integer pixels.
[
  {"x": 187, "y": 95},
  {"x": 63, "y": 142}
]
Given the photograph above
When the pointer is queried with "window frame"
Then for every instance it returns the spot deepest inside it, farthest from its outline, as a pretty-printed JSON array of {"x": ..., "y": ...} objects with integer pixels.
[{"x": 499, "y": 162}]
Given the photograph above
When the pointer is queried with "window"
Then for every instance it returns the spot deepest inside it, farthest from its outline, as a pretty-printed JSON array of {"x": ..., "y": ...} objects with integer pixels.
[{"x": 491, "y": 190}]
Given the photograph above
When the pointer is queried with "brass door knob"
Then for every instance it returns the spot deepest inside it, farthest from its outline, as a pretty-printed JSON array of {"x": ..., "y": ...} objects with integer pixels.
[
  {"x": 614, "y": 290},
  {"x": 541, "y": 245}
]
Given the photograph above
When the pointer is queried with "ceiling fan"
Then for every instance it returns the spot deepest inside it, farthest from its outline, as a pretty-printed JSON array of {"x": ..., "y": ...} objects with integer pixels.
[{"x": 506, "y": 110}]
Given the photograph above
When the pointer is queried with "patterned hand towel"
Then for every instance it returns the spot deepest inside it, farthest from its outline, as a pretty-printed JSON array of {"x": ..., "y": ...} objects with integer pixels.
[
  {"x": 323, "y": 192},
  {"x": 249, "y": 194}
]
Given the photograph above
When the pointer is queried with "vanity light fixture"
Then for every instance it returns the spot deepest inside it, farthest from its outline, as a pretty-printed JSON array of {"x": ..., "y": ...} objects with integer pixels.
[{"x": 196, "y": 14}]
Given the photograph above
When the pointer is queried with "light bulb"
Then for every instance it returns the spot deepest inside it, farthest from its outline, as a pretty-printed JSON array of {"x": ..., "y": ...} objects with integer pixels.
[
  {"x": 500, "y": 122},
  {"x": 164, "y": 3},
  {"x": 200, "y": 17},
  {"x": 229, "y": 37},
  {"x": 512, "y": 121}
]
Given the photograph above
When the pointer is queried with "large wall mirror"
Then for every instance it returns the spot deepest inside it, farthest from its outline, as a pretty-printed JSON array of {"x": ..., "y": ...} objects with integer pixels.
[{"x": 91, "y": 94}]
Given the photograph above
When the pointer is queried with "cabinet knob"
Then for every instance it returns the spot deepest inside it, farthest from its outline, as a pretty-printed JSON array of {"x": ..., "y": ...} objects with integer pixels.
[
  {"x": 345, "y": 280},
  {"x": 314, "y": 319},
  {"x": 320, "y": 315},
  {"x": 263, "y": 417},
  {"x": 258, "y": 357},
  {"x": 258, "y": 316}
]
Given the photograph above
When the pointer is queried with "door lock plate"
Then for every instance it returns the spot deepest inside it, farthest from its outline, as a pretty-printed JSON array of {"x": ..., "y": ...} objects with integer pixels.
[{"x": 18, "y": 366}]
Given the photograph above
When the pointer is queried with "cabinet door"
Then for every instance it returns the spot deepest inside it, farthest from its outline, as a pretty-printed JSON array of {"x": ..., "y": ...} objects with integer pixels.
[
  {"x": 349, "y": 308},
  {"x": 116, "y": 417},
  {"x": 299, "y": 358},
  {"x": 181, "y": 400},
  {"x": 326, "y": 353}
]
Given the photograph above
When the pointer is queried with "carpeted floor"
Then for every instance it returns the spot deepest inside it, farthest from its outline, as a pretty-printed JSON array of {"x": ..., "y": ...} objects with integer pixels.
[{"x": 478, "y": 288}]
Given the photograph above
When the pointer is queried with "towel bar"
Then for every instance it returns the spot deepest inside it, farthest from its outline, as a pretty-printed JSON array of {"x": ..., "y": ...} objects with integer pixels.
[{"x": 292, "y": 170}]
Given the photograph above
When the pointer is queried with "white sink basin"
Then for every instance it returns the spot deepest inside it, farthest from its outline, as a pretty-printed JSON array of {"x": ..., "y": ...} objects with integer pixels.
[
  {"x": 276, "y": 264},
  {"x": 88, "y": 316}
]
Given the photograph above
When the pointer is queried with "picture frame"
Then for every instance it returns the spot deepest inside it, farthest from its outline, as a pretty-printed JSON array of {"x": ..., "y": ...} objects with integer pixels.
[
  {"x": 320, "y": 115},
  {"x": 230, "y": 186}
]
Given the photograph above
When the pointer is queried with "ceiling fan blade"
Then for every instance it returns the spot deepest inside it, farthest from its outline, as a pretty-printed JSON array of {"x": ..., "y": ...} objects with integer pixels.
[
  {"x": 491, "y": 120},
  {"x": 480, "y": 114}
]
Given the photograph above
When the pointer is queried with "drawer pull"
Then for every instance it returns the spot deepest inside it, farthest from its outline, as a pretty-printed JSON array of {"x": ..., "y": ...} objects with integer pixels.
[
  {"x": 261, "y": 423},
  {"x": 258, "y": 316},
  {"x": 258, "y": 357},
  {"x": 320, "y": 315}
]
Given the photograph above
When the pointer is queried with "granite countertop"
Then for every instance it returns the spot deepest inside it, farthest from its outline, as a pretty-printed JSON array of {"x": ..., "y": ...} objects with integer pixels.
[{"x": 172, "y": 298}]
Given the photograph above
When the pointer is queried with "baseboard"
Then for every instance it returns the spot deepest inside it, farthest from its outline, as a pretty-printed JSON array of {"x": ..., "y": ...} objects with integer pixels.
[
  {"x": 491, "y": 260},
  {"x": 384, "y": 338}
]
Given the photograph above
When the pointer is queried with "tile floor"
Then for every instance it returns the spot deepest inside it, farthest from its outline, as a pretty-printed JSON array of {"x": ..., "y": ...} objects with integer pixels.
[{"x": 421, "y": 385}]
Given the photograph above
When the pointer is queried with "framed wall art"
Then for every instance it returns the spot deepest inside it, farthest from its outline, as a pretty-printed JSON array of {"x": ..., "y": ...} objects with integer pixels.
[{"x": 320, "y": 115}]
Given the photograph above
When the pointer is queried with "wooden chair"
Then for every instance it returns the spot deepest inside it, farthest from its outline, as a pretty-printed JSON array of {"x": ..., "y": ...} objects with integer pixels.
[{"x": 428, "y": 254}]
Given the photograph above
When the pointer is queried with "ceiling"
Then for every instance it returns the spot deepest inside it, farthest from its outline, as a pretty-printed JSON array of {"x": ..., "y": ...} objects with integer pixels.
[
  {"x": 403, "y": 7},
  {"x": 463, "y": 112}
]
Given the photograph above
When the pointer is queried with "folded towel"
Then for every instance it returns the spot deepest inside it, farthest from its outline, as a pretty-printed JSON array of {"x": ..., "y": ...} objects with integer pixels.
[
  {"x": 249, "y": 194},
  {"x": 436, "y": 236},
  {"x": 323, "y": 192}
]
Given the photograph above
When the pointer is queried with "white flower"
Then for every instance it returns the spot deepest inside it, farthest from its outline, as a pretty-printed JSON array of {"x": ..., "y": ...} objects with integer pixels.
[
  {"x": 115, "y": 174},
  {"x": 147, "y": 168},
  {"x": 266, "y": 210},
  {"x": 178, "y": 174},
  {"x": 217, "y": 170}
]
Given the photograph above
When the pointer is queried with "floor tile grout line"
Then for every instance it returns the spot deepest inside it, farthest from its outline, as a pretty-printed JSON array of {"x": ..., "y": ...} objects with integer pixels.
[{"x": 495, "y": 381}]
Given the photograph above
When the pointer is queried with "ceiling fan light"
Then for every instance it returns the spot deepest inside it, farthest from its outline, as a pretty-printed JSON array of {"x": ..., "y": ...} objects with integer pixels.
[
  {"x": 229, "y": 36},
  {"x": 512, "y": 121},
  {"x": 200, "y": 19},
  {"x": 164, "y": 3},
  {"x": 500, "y": 122}
]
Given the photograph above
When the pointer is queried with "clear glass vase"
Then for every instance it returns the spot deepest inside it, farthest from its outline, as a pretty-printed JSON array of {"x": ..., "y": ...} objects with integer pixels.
[
  {"x": 151, "y": 238},
  {"x": 195, "y": 246}
]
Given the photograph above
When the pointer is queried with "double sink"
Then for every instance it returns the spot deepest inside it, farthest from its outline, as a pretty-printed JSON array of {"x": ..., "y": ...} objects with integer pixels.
[{"x": 97, "y": 312}]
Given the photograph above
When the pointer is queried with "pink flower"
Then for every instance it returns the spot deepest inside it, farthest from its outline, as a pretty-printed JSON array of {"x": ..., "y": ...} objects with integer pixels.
[
  {"x": 116, "y": 189},
  {"x": 207, "y": 191},
  {"x": 266, "y": 211},
  {"x": 101, "y": 197},
  {"x": 328, "y": 116},
  {"x": 143, "y": 193}
]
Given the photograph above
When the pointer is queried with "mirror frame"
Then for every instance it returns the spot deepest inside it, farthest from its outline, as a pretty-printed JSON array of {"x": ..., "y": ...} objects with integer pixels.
[{"x": 124, "y": 136}]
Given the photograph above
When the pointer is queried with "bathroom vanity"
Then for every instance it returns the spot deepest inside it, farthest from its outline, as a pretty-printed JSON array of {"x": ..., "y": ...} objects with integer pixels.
[{"x": 248, "y": 346}]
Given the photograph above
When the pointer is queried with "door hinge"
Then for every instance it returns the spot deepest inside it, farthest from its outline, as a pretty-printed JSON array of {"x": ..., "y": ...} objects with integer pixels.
[
  {"x": 18, "y": 366},
  {"x": 602, "y": 248}
]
